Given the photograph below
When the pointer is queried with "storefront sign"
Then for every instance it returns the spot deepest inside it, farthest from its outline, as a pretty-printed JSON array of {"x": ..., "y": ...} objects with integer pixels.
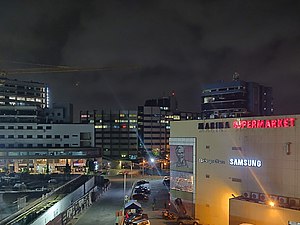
[
  {"x": 211, "y": 161},
  {"x": 213, "y": 125},
  {"x": 245, "y": 162},
  {"x": 275, "y": 123}
]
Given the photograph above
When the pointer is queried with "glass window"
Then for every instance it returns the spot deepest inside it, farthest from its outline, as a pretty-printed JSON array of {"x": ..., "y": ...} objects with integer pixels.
[
  {"x": 10, "y": 136},
  {"x": 48, "y": 136},
  {"x": 29, "y": 127},
  {"x": 57, "y": 136},
  {"x": 10, "y": 127},
  {"x": 20, "y": 127},
  {"x": 20, "y": 136},
  {"x": 48, "y": 127},
  {"x": 39, "y": 136},
  {"x": 66, "y": 136},
  {"x": 40, "y": 127}
]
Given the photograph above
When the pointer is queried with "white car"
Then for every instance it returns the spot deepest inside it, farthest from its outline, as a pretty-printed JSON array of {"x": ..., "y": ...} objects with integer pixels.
[{"x": 187, "y": 220}]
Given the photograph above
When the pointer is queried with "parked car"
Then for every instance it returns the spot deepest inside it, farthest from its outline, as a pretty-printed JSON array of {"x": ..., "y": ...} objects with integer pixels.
[
  {"x": 19, "y": 186},
  {"x": 187, "y": 220},
  {"x": 134, "y": 217},
  {"x": 142, "y": 222},
  {"x": 166, "y": 181},
  {"x": 52, "y": 181},
  {"x": 142, "y": 189},
  {"x": 140, "y": 196},
  {"x": 142, "y": 182}
]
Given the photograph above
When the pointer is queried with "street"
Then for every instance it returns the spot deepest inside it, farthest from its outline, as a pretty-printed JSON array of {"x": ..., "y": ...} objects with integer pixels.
[{"x": 103, "y": 212}]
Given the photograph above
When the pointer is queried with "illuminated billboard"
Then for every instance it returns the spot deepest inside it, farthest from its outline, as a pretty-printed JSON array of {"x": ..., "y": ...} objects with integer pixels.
[{"x": 181, "y": 157}]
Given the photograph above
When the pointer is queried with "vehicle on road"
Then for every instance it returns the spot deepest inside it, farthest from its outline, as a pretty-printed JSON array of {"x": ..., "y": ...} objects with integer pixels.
[
  {"x": 187, "y": 220},
  {"x": 142, "y": 189},
  {"x": 19, "y": 186},
  {"x": 166, "y": 181},
  {"x": 135, "y": 217},
  {"x": 140, "y": 196},
  {"x": 141, "y": 222},
  {"x": 140, "y": 182},
  {"x": 52, "y": 181}
]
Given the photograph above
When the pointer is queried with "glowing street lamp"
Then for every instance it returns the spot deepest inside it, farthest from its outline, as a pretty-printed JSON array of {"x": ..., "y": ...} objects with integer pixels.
[{"x": 271, "y": 203}]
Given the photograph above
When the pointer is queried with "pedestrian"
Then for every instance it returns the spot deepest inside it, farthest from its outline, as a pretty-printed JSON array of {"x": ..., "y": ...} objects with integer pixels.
[
  {"x": 165, "y": 205},
  {"x": 154, "y": 200},
  {"x": 153, "y": 206}
]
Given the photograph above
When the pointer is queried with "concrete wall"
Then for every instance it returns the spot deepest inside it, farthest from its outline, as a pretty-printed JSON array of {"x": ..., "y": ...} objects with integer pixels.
[
  {"x": 63, "y": 204},
  {"x": 260, "y": 214}
]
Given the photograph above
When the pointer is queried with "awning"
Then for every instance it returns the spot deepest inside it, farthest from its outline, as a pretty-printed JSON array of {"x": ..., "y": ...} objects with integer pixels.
[{"x": 133, "y": 204}]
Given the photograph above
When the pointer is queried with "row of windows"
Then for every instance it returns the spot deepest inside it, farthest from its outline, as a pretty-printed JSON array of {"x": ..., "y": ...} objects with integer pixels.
[
  {"x": 26, "y": 127},
  {"x": 2, "y": 136},
  {"x": 35, "y": 145}
]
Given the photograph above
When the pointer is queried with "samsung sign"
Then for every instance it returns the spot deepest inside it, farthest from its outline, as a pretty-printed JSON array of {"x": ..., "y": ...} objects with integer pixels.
[{"x": 245, "y": 162}]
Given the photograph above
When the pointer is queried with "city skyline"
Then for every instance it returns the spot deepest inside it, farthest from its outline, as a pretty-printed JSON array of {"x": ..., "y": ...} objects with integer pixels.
[{"x": 179, "y": 46}]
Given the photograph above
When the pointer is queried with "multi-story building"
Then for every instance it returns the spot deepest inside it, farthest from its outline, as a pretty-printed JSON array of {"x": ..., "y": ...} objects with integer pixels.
[
  {"x": 234, "y": 171},
  {"x": 154, "y": 125},
  {"x": 46, "y": 147},
  {"x": 22, "y": 101},
  {"x": 236, "y": 99},
  {"x": 115, "y": 132},
  {"x": 59, "y": 113}
]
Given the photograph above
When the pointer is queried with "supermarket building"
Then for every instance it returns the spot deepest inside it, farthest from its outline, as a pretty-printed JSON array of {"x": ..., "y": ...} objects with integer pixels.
[{"x": 237, "y": 171}]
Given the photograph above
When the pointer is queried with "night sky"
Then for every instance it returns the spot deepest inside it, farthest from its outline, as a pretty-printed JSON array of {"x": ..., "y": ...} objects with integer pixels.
[{"x": 177, "y": 44}]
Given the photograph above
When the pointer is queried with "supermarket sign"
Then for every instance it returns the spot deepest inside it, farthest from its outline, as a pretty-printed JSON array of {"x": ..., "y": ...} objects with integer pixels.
[{"x": 274, "y": 123}]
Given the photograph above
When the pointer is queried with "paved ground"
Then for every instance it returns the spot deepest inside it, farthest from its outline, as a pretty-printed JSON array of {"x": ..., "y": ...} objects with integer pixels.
[{"x": 103, "y": 211}]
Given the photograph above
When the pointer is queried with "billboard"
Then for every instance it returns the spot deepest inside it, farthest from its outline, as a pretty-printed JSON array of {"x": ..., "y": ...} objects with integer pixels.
[{"x": 181, "y": 157}]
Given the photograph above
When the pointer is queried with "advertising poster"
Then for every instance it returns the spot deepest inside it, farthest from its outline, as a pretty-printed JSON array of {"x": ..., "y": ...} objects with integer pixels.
[{"x": 181, "y": 157}]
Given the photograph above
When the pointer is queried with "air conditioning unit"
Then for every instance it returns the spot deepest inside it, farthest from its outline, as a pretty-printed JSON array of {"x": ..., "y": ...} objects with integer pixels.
[
  {"x": 274, "y": 198},
  {"x": 254, "y": 195},
  {"x": 247, "y": 194},
  {"x": 283, "y": 200},
  {"x": 262, "y": 197}
]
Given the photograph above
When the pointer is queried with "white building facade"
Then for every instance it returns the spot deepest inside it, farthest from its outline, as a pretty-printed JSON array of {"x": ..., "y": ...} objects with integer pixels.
[
  {"x": 227, "y": 171},
  {"x": 37, "y": 146}
]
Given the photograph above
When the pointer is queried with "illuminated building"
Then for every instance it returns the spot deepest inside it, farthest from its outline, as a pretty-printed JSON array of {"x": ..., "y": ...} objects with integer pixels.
[
  {"x": 22, "y": 101},
  {"x": 115, "y": 132},
  {"x": 43, "y": 148},
  {"x": 154, "y": 124},
  {"x": 236, "y": 98},
  {"x": 235, "y": 171}
]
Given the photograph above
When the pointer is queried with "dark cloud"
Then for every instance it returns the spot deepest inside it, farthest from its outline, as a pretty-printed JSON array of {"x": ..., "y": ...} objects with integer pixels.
[{"x": 179, "y": 44}]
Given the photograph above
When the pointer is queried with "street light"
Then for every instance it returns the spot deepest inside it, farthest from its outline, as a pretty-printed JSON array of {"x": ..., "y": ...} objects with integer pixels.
[
  {"x": 124, "y": 189},
  {"x": 144, "y": 167}
]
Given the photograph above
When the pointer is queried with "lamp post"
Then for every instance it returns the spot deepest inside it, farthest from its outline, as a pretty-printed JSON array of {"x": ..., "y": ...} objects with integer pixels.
[
  {"x": 124, "y": 188},
  {"x": 143, "y": 167}
]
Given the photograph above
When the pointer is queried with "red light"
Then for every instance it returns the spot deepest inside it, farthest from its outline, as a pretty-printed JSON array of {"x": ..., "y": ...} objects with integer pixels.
[{"x": 275, "y": 123}]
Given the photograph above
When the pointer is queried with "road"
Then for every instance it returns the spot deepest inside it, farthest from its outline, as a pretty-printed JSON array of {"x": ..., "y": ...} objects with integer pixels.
[{"x": 103, "y": 211}]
